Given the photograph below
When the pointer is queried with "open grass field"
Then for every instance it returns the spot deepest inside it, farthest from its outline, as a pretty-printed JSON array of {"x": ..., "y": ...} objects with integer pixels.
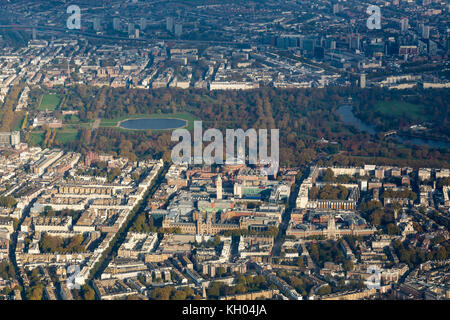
[
  {"x": 36, "y": 138},
  {"x": 49, "y": 102},
  {"x": 18, "y": 120},
  {"x": 64, "y": 136},
  {"x": 184, "y": 116},
  {"x": 400, "y": 108},
  {"x": 76, "y": 126},
  {"x": 73, "y": 119}
]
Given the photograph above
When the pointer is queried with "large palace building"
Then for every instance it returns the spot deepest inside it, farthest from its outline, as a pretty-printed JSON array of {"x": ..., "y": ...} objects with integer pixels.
[{"x": 202, "y": 224}]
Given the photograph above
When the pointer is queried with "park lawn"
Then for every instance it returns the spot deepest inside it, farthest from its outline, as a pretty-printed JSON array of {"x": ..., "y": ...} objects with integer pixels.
[
  {"x": 66, "y": 135},
  {"x": 18, "y": 125},
  {"x": 74, "y": 119},
  {"x": 76, "y": 126},
  {"x": 184, "y": 116},
  {"x": 18, "y": 120},
  {"x": 399, "y": 108},
  {"x": 62, "y": 135},
  {"x": 49, "y": 102},
  {"x": 36, "y": 138}
]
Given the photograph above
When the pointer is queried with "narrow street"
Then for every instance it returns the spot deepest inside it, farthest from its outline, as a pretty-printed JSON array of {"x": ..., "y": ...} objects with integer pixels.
[
  {"x": 122, "y": 233},
  {"x": 276, "y": 250},
  {"x": 13, "y": 246}
]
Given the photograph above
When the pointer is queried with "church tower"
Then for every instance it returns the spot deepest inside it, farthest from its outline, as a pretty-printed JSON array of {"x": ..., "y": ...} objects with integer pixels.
[
  {"x": 331, "y": 230},
  {"x": 219, "y": 190}
]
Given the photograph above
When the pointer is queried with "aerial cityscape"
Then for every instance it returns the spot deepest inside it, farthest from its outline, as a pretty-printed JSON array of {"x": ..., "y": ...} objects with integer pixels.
[{"x": 224, "y": 150}]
